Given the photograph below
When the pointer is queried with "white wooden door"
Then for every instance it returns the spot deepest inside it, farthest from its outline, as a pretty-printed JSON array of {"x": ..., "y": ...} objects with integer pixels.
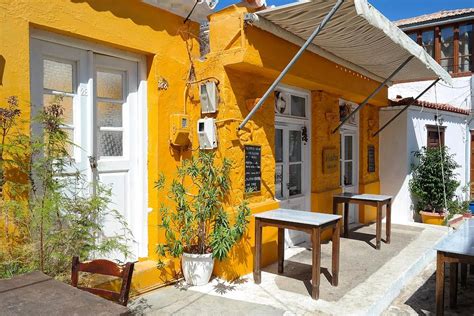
[
  {"x": 350, "y": 168},
  {"x": 291, "y": 172},
  {"x": 101, "y": 115},
  {"x": 113, "y": 136}
]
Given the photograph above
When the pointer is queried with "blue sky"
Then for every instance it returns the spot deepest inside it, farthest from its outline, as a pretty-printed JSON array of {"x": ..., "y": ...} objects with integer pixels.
[{"x": 394, "y": 9}]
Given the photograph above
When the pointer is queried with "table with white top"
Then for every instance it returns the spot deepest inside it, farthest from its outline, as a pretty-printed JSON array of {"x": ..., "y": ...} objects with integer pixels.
[
  {"x": 456, "y": 248},
  {"x": 309, "y": 222},
  {"x": 375, "y": 200}
]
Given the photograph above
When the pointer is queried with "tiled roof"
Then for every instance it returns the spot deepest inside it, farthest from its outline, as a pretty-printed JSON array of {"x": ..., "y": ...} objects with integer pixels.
[
  {"x": 399, "y": 101},
  {"x": 441, "y": 15}
]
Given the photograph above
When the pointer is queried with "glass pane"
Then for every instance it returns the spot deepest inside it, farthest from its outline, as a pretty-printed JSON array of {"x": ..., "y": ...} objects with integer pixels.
[
  {"x": 298, "y": 106},
  {"x": 413, "y": 36},
  {"x": 447, "y": 38},
  {"x": 109, "y": 114},
  {"x": 465, "y": 47},
  {"x": 57, "y": 76},
  {"x": 110, "y": 144},
  {"x": 348, "y": 147},
  {"x": 427, "y": 40},
  {"x": 109, "y": 85},
  {"x": 447, "y": 64},
  {"x": 70, "y": 145},
  {"x": 348, "y": 173},
  {"x": 68, "y": 114},
  {"x": 295, "y": 146},
  {"x": 279, "y": 181},
  {"x": 295, "y": 179},
  {"x": 278, "y": 145}
]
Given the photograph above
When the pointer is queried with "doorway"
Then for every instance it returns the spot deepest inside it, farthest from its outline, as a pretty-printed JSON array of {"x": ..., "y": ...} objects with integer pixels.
[
  {"x": 292, "y": 152},
  {"x": 349, "y": 160},
  {"x": 103, "y": 117}
]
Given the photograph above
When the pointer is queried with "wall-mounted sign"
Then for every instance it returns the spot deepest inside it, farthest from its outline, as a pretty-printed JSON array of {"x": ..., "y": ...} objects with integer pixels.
[
  {"x": 330, "y": 160},
  {"x": 371, "y": 158},
  {"x": 253, "y": 168}
]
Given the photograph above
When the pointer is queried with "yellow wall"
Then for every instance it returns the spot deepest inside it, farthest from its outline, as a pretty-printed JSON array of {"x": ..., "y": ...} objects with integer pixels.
[{"x": 245, "y": 60}]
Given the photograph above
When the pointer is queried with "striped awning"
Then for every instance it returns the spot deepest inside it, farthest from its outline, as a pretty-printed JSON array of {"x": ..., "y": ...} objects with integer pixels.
[{"x": 358, "y": 36}]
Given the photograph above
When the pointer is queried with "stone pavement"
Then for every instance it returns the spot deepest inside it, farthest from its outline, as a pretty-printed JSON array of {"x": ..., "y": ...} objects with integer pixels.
[{"x": 369, "y": 280}]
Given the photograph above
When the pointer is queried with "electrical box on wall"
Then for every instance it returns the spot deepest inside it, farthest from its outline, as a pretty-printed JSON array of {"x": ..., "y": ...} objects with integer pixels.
[
  {"x": 179, "y": 129},
  {"x": 207, "y": 133},
  {"x": 209, "y": 95}
]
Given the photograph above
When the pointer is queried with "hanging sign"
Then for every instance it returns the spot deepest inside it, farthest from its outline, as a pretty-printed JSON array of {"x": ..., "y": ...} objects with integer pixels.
[
  {"x": 371, "y": 158},
  {"x": 330, "y": 160},
  {"x": 253, "y": 168}
]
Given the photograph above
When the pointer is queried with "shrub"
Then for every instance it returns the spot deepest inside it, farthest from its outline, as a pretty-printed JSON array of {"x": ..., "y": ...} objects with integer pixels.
[
  {"x": 426, "y": 184},
  {"x": 200, "y": 224},
  {"x": 50, "y": 211}
]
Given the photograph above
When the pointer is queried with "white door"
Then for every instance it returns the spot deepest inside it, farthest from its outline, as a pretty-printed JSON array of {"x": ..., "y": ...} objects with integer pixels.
[
  {"x": 101, "y": 114},
  {"x": 350, "y": 168},
  {"x": 291, "y": 173}
]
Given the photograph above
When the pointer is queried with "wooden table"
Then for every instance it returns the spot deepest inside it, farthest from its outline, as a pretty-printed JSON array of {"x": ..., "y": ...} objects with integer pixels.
[
  {"x": 375, "y": 200},
  {"x": 38, "y": 294},
  {"x": 311, "y": 223},
  {"x": 456, "y": 248}
]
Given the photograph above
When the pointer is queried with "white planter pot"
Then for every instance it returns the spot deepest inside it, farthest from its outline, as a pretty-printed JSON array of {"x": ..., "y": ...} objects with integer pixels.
[{"x": 197, "y": 269}]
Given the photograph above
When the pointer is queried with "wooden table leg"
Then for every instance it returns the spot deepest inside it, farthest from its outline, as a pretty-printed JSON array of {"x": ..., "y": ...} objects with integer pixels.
[
  {"x": 335, "y": 252},
  {"x": 453, "y": 284},
  {"x": 378, "y": 226},
  {"x": 334, "y": 207},
  {"x": 346, "y": 219},
  {"x": 257, "y": 274},
  {"x": 316, "y": 240},
  {"x": 463, "y": 274},
  {"x": 440, "y": 283},
  {"x": 281, "y": 249},
  {"x": 389, "y": 222}
]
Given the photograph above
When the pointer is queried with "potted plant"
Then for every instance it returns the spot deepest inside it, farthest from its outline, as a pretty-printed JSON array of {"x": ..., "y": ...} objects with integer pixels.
[
  {"x": 199, "y": 229},
  {"x": 433, "y": 183}
]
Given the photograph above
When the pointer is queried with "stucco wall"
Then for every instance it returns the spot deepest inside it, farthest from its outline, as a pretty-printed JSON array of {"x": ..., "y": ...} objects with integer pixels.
[{"x": 401, "y": 139}]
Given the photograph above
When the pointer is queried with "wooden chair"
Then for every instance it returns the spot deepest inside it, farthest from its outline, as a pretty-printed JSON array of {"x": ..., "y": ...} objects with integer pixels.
[{"x": 104, "y": 267}]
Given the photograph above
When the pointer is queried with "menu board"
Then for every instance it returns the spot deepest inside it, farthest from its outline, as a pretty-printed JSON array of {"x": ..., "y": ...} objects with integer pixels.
[
  {"x": 253, "y": 168},
  {"x": 330, "y": 160},
  {"x": 371, "y": 158}
]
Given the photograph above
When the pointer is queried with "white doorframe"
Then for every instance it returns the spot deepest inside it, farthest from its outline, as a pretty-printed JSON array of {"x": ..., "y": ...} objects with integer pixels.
[
  {"x": 351, "y": 129},
  {"x": 287, "y": 122},
  {"x": 140, "y": 220}
]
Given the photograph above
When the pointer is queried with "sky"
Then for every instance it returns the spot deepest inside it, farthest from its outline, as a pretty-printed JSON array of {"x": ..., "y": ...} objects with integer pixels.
[{"x": 393, "y": 9}]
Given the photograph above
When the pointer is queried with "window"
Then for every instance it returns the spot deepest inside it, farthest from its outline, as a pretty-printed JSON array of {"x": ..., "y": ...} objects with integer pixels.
[
  {"x": 465, "y": 47},
  {"x": 427, "y": 41},
  {"x": 446, "y": 59},
  {"x": 291, "y": 104},
  {"x": 435, "y": 136},
  {"x": 450, "y": 45}
]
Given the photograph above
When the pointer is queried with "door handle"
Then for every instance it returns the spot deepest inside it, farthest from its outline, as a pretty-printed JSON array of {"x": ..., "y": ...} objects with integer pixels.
[{"x": 93, "y": 162}]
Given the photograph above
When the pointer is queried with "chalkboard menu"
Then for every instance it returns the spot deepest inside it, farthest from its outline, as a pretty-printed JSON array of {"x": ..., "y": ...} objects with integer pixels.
[
  {"x": 253, "y": 168},
  {"x": 371, "y": 158}
]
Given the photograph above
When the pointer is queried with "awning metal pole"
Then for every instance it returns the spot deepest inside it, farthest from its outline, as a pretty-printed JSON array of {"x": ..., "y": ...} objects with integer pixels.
[
  {"x": 292, "y": 62},
  {"x": 406, "y": 107},
  {"x": 372, "y": 94}
]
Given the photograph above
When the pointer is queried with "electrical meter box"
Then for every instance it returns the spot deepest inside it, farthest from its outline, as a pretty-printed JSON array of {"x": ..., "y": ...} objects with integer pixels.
[
  {"x": 209, "y": 95},
  {"x": 207, "y": 133},
  {"x": 179, "y": 129}
]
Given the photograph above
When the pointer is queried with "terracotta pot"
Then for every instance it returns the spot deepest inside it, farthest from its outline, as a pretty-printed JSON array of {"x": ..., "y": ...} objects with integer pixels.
[{"x": 432, "y": 218}]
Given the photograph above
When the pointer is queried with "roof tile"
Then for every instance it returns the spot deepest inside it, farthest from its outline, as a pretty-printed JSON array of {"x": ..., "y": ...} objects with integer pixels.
[
  {"x": 434, "y": 16},
  {"x": 399, "y": 101}
]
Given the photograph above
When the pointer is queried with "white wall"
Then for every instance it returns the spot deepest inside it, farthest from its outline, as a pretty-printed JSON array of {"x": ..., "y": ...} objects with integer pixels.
[
  {"x": 459, "y": 95},
  {"x": 393, "y": 163},
  {"x": 401, "y": 139}
]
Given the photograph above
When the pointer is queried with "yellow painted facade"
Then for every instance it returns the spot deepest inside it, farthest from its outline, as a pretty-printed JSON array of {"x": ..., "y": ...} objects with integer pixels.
[{"x": 245, "y": 60}]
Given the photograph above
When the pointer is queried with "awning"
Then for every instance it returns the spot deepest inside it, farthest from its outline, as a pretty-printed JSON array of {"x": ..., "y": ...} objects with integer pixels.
[{"x": 358, "y": 36}]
